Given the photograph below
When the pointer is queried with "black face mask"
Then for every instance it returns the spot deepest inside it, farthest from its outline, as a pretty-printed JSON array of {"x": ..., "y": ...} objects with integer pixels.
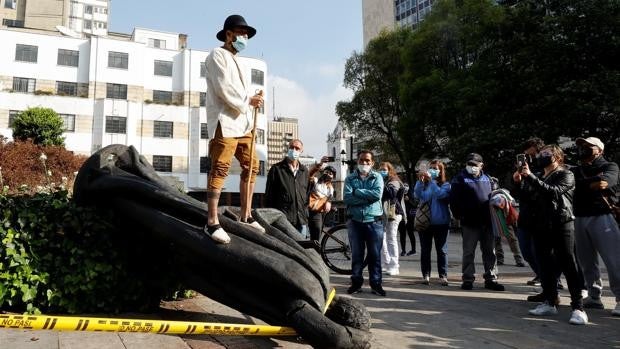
[
  {"x": 544, "y": 161},
  {"x": 585, "y": 153}
]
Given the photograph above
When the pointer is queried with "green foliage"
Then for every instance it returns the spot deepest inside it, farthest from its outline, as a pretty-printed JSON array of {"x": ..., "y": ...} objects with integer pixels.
[
  {"x": 42, "y": 125},
  {"x": 57, "y": 257}
]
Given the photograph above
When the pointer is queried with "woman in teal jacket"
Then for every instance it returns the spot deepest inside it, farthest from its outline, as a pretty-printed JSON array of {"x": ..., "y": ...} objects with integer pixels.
[{"x": 433, "y": 188}]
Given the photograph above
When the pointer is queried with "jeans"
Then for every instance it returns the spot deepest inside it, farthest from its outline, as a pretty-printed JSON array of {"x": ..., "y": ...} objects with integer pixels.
[
  {"x": 364, "y": 236},
  {"x": 440, "y": 234},
  {"x": 389, "y": 251},
  {"x": 527, "y": 249},
  {"x": 315, "y": 224},
  {"x": 555, "y": 251}
]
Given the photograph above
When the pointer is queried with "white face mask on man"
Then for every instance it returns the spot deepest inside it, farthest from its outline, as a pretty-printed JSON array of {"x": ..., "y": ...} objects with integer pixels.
[
  {"x": 364, "y": 168},
  {"x": 473, "y": 170}
]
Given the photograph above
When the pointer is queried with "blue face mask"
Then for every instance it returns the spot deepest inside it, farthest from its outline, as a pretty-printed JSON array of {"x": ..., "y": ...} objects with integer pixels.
[
  {"x": 241, "y": 43},
  {"x": 433, "y": 172},
  {"x": 384, "y": 173},
  {"x": 292, "y": 154}
]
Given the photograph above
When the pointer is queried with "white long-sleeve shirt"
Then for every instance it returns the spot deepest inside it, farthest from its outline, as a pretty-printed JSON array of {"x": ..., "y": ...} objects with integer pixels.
[{"x": 227, "y": 96}]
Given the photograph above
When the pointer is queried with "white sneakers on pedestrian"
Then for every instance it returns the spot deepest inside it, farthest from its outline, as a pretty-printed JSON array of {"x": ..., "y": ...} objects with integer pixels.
[
  {"x": 217, "y": 234},
  {"x": 443, "y": 281},
  {"x": 253, "y": 224},
  {"x": 426, "y": 280},
  {"x": 578, "y": 317},
  {"x": 393, "y": 271},
  {"x": 544, "y": 309},
  {"x": 616, "y": 311}
]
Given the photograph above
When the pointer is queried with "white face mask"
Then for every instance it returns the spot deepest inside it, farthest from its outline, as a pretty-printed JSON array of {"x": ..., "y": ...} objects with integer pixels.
[
  {"x": 364, "y": 168},
  {"x": 473, "y": 170},
  {"x": 292, "y": 154}
]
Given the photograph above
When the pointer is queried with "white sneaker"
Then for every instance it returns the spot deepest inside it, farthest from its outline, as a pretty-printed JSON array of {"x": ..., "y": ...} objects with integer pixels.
[
  {"x": 578, "y": 317},
  {"x": 254, "y": 225},
  {"x": 544, "y": 309},
  {"x": 443, "y": 281},
  {"x": 616, "y": 311},
  {"x": 427, "y": 280},
  {"x": 219, "y": 235},
  {"x": 393, "y": 272}
]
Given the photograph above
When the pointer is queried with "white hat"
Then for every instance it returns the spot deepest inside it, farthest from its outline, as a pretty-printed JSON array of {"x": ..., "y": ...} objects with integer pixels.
[{"x": 592, "y": 141}]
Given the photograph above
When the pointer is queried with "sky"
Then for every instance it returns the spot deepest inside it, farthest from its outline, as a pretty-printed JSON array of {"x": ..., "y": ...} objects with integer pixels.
[{"x": 304, "y": 43}]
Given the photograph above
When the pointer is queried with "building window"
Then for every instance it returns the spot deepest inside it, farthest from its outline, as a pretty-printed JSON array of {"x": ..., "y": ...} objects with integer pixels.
[
  {"x": 88, "y": 9},
  {"x": 118, "y": 60},
  {"x": 258, "y": 77},
  {"x": 203, "y": 99},
  {"x": 203, "y": 69},
  {"x": 116, "y": 91},
  {"x": 163, "y": 129},
  {"x": 24, "y": 85},
  {"x": 115, "y": 124},
  {"x": 162, "y": 163},
  {"x": 204, "y": 131},
  {"x": 260, "y": 136},
  {"x": 12, "y": 115},
  {"x": 162, "y": 96},
  {"x": 101, "y": 25},
  {"x": 64, "y": 88},
  {"x": 12, "y": 23},
  {"x": 205, "y": 164},
  {"x": 68, "y": 122},
  {"x": 88, "y": 25},
  {"x": 261, "y": 168},
  {"x": 163, "y": 68},
  {"x": 68, "y": 57},
  {"x": 26, "y": 53},
  {"x": 157, "y": 43},
  {"x": 10, "y": 4}
]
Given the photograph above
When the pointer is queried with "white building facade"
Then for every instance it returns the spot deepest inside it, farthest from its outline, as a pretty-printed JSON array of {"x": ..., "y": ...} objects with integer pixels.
[{"x": 146, "y": 90}]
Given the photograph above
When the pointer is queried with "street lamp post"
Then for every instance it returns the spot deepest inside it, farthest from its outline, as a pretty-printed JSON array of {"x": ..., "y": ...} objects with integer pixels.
[{"x": 350, "y": 163}]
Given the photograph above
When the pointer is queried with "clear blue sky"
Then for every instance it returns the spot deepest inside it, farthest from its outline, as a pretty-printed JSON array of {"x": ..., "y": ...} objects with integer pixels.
[{"x": 305, "y": 45}]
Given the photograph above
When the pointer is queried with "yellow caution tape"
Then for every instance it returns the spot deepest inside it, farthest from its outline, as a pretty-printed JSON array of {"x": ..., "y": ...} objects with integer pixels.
[{"x": 68, "y": 323}]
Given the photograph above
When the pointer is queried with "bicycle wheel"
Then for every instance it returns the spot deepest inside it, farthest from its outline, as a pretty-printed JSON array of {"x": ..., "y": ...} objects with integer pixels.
[{"x": 335, "y": 249}]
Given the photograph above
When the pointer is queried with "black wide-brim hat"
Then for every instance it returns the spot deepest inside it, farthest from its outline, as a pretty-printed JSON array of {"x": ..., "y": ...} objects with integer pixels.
[{"x": 235, "y": 21}]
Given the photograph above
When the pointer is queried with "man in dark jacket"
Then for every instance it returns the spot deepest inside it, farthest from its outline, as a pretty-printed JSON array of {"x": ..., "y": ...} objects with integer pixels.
[
  {"x": 469, "y": 202},
  {"x": 287, "y": 188},
  {"x": 596, "y": 230}
]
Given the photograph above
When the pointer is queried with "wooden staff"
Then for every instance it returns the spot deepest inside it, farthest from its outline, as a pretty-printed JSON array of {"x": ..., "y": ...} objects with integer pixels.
[{"x": 248, "y": 192}]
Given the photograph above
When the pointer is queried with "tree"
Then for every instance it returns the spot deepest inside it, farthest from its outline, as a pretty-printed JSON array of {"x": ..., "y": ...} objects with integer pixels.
[
  {"x": 42, "y": 125},
  {"x": 375, "y": 111}
]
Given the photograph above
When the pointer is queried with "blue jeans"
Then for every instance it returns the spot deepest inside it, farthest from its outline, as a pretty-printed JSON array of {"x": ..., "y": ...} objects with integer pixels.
[
  {"x": 364, "y": 236},
  {"x": 526, "y": 244},
  {"x": 440, "y": 234}
]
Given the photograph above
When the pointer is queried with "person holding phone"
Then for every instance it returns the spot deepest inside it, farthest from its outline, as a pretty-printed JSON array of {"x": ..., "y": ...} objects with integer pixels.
[{"x": 320, "y": 194}]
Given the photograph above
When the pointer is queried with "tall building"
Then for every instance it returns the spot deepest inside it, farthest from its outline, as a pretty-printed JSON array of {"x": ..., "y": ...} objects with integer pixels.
[
  {"x": 381, "y": 15},
  {"x": 73, "y": 17},
  {"x": 124, "y": 89},
  {"x": 280, "y": 131}
]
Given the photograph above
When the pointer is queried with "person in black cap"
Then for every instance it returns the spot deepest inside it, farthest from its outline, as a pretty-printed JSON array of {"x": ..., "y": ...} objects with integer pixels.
[
  {"x": 469, "y": 202},
  {"x": 230, "y": 123}
]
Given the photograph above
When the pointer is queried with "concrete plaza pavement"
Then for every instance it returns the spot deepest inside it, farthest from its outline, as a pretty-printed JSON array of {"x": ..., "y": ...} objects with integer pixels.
[{"x": 412, "y": 315}]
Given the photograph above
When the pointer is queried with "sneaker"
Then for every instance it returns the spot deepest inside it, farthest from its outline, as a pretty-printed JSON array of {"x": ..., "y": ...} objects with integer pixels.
[
  {"x": 616, "y": 311},
  {"x": 250, "y": 222},
  {"x": 403, "y": 254},
  {"x": 578, "y": 317},
  {"x": 593, "y": 303},
  {"x": 411, "y": 253},
  {"x": 426, "y": 280},
  {"x": 217, "y": 233},
  {"x": 534, "y": 282},
  {"x": 354, "y": 289},
  {"x": 443, "y": 281},
  {"x": 378, "y": 290},
  {"x": 544, "y": 309},
  {"x": 494, "y": 286},
  {"x": 520, "y": 264},
  {"x": 467, "y": 285},
  {"x": 393, "y": 272},
  {"x": 539, "y": 298}
]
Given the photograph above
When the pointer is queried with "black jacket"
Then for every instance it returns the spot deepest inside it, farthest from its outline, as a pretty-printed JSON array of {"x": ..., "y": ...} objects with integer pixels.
[
  {"x": 287, "y": 192},
  {"x": 589, "y": 202},
  {"x": 550, "y": 198}
]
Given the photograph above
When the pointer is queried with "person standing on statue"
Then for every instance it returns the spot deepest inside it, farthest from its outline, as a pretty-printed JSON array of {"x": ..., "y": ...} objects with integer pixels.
[{"x": 230, "y": 123}]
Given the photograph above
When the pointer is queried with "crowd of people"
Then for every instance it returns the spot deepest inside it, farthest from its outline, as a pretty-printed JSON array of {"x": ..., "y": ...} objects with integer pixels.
[{"x": 567, "y": 215}]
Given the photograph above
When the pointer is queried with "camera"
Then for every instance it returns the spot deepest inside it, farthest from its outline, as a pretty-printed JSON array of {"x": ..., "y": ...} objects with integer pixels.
[{"x": 521, "y": 160}]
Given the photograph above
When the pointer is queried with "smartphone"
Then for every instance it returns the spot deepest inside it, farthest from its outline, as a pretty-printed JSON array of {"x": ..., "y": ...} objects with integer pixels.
[{"x": 521, "y": 160}]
